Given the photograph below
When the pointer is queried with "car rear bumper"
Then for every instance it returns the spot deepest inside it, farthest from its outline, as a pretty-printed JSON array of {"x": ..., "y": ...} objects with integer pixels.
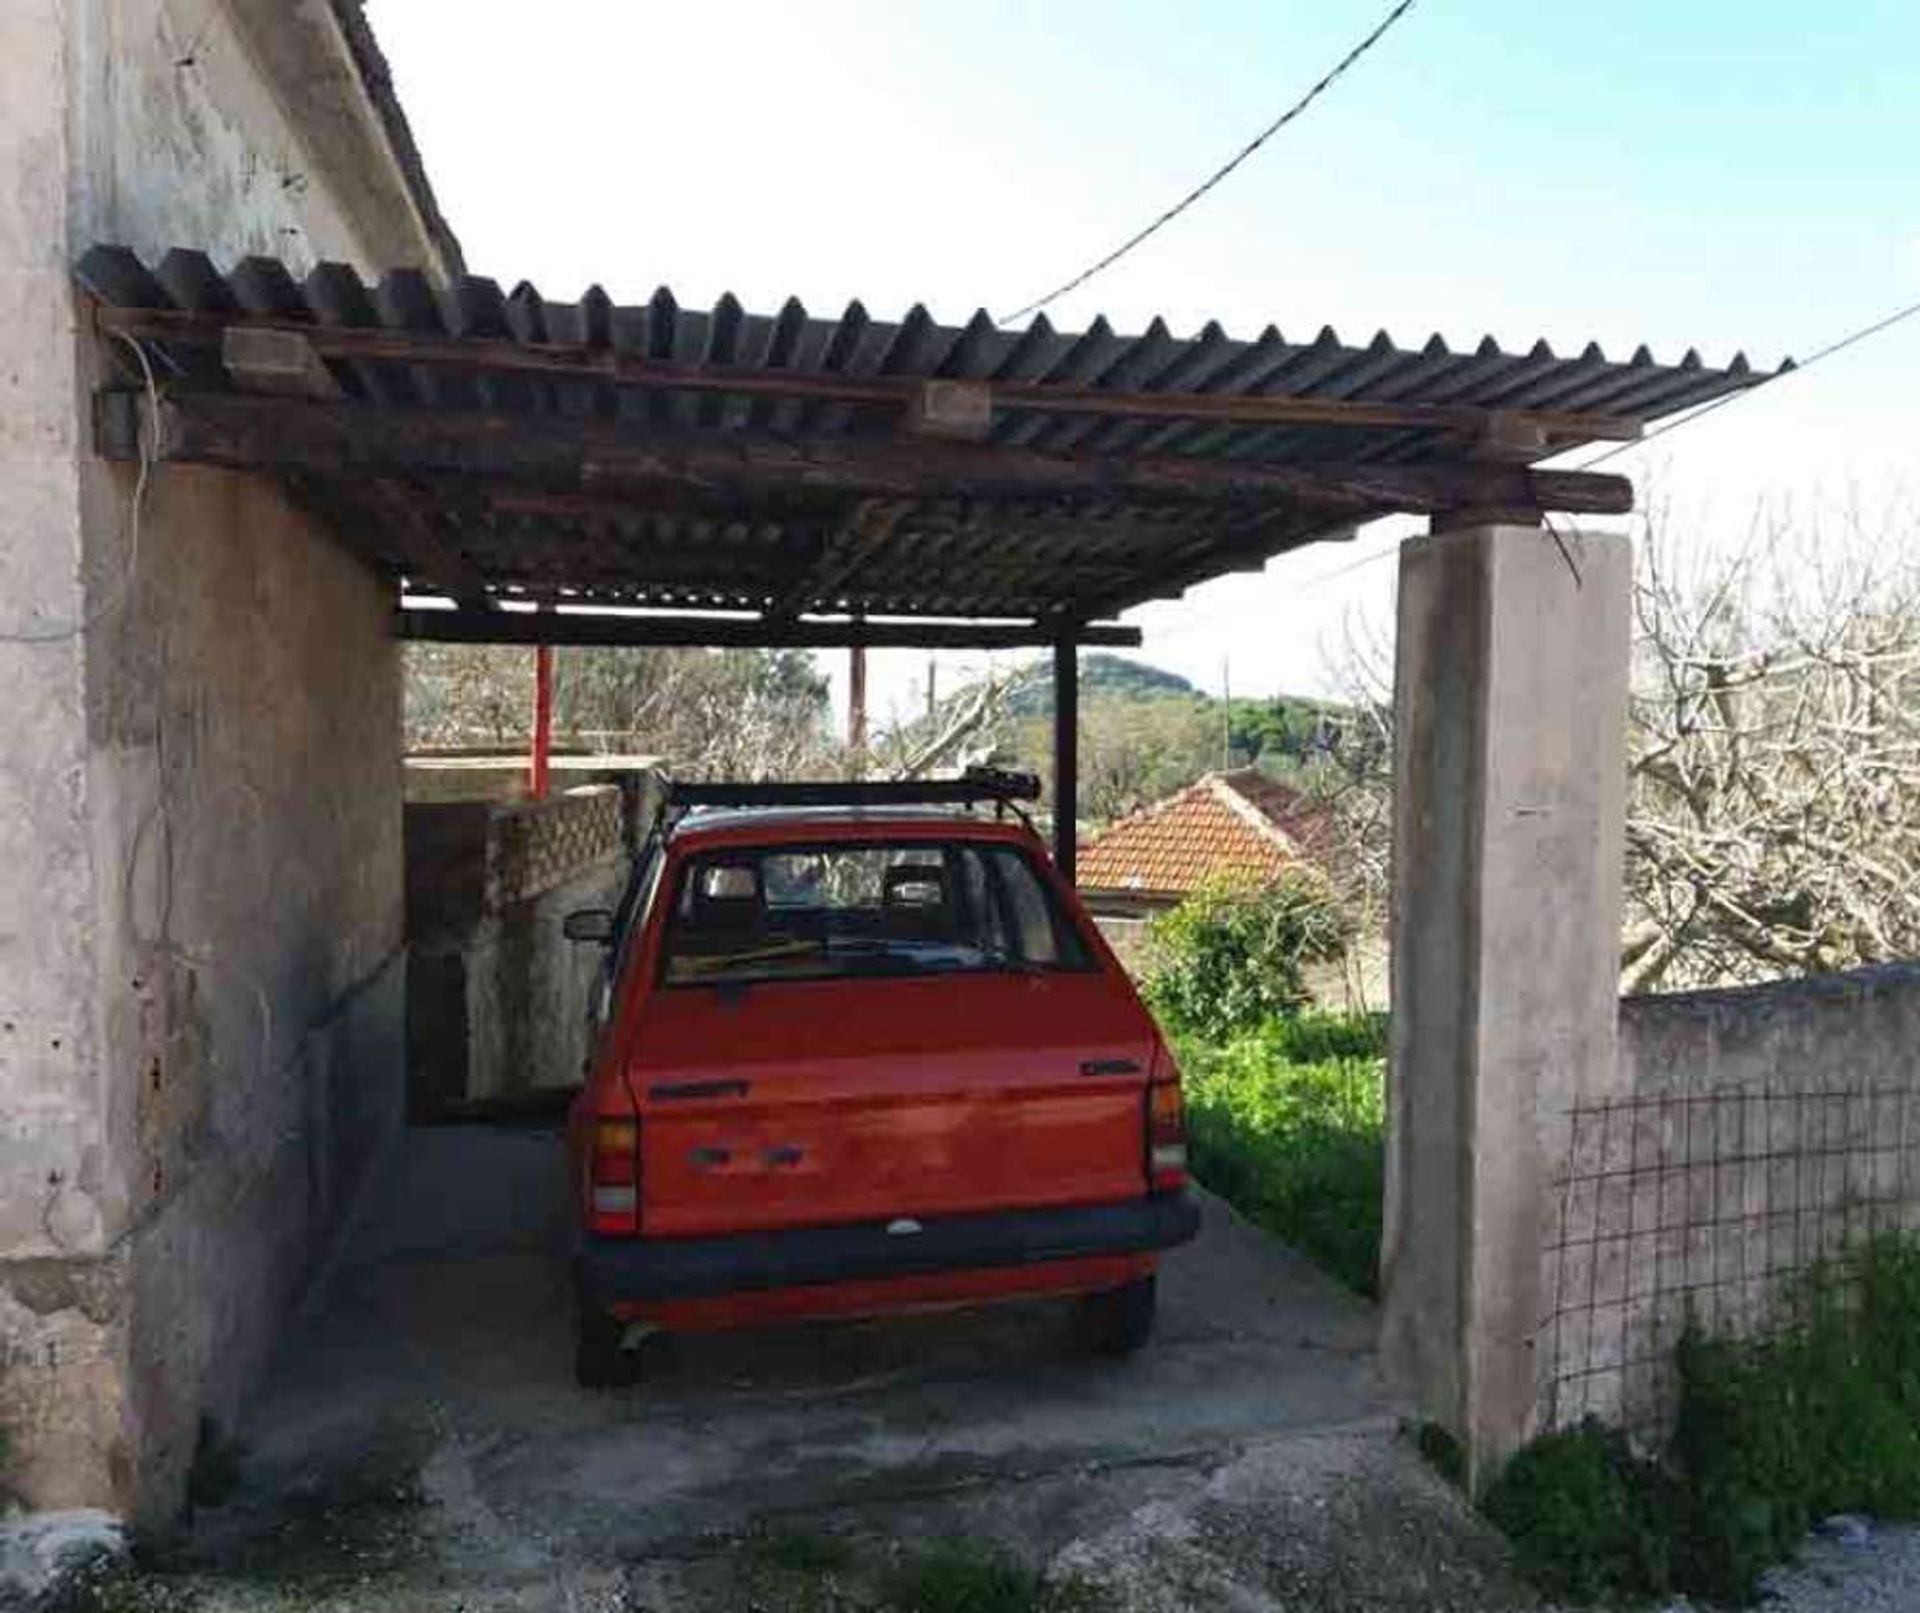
[{"x": 624, "y": 1271}]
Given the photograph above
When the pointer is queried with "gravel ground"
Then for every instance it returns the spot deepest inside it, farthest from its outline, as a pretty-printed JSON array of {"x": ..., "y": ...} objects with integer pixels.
[{"x": 1879, "y": 1573}]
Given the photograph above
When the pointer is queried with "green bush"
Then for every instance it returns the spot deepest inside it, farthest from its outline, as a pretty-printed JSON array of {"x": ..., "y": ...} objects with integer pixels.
[
  {"x": 1286, "y": 1124},
  {"x": 1229, "y": 958},
  {"x": 1820, "y": 1415},
  {"x": 1584, "y": 1515}
]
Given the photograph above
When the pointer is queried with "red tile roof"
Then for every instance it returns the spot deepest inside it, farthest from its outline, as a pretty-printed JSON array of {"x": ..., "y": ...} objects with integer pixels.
[{"x": 1225, "y": 822}]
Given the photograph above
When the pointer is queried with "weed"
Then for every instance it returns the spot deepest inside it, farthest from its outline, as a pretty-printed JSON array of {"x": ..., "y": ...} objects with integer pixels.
[
  {"x": 1441, "y": 1451},
  {"x": 962, "y": 1576},
  {"x": 1584, "y": 1515},
  {"x": 799, "y": 1551},
  {"x": 1819, "y": 1415},
  {"x": 1287, "y": 1124}
]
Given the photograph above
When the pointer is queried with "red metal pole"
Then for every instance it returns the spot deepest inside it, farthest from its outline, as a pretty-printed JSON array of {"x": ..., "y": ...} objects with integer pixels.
[{"x": 542, "y": 722}]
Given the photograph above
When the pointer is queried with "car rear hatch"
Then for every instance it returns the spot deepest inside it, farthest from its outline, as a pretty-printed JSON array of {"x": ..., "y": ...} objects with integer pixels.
[{"x": 808, "y": 1103}]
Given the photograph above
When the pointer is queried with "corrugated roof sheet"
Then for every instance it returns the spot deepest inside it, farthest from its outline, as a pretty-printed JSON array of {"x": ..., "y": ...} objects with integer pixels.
[{"x": 999, "y": 557}]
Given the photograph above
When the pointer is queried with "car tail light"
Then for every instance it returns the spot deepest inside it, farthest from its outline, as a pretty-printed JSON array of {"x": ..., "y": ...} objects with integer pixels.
[
  {"x": 613, "y": 1184},
  {"x": 1166, "y": 1128}
]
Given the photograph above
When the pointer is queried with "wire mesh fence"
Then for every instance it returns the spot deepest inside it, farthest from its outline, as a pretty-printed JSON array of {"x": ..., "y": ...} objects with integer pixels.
[{"x": 1697, "y": 1209}]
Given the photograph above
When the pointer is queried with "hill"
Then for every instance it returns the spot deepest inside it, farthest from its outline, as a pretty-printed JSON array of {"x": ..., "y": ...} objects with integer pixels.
[{"x": 1102, "y": 677}]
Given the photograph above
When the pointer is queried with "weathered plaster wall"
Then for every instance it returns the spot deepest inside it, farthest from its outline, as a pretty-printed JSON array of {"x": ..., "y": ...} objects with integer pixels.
[
  {"x": 1755, "y": 1132},
  {"x": 497, "y": 997},
  {"x": 201, "y": 966}
]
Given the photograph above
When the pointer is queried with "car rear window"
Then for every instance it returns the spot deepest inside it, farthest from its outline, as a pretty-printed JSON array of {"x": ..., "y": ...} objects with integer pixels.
[{"x": 880, "y": 908}]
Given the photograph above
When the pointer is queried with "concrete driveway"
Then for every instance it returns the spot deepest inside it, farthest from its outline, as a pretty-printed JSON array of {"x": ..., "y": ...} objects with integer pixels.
[{"x": 422, "y": 1432}]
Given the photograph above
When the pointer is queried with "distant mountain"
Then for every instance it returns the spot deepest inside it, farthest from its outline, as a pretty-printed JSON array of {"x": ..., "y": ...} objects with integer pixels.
[{"x": 1102, "y": 677}]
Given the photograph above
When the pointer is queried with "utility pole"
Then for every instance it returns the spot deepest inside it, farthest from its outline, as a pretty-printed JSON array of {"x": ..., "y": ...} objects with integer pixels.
[{"x": 1226, "y": 716}]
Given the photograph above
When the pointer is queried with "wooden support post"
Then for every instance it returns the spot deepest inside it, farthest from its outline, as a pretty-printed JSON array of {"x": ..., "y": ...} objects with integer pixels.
[
  {"x": 1066, "y": 754},
  {"x": 542, "y": 756},
  {"x": 857, "y": 707}
]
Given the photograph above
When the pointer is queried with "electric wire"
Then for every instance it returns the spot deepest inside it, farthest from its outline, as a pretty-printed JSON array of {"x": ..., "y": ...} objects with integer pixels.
[
  {"x": 65, "y": 631},
  {"x": 1166, "y": 217},
  {"x": 1839, "y": 345}
]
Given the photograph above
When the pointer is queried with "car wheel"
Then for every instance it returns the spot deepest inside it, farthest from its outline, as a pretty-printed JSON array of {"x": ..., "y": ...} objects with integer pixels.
[
  {"x": 1120, "y": 1320},
  {"x": 599, "y": 1361}
]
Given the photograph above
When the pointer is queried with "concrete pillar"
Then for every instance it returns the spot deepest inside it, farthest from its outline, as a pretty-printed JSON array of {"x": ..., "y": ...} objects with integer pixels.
[{"x": 1509, "y": 776}]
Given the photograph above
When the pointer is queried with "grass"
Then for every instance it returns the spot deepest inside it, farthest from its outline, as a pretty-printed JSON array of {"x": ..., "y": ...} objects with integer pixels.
[
  {"x": 1819, "y": 1416},
  {"x": 964, "y": 1576},
  {"x": 1287, "y": 1123}
]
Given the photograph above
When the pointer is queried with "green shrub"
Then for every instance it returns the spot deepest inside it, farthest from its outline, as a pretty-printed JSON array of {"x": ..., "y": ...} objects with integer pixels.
[
  {"x": 1819, "y": 1415},
  {"x": 1229, "y": 958},
  {"x": 1585, "y": 1515},
  {"x": 1286, "y": 1124}
]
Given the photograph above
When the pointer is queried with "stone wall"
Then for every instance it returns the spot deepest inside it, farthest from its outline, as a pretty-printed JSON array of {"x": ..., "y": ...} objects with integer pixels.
[
  {"x": 498, "y": 998},
  {"x": 201, "y": 950},
  {"x": 1754, "y": 1133}
]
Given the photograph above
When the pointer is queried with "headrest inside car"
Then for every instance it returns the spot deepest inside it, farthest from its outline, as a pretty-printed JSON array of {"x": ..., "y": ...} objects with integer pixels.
[
  {"x": 729, "y": 882},
  {"x": 916, "y": 887}
]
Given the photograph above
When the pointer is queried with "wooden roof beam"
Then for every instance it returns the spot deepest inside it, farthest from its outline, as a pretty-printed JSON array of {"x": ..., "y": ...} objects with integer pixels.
[
  {"x": 605, "y": 628},
  {"x": 347, "y": 440}
]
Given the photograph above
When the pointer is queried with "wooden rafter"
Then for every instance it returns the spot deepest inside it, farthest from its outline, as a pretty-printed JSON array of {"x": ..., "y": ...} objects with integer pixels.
[
  {"x": 288, "y": 434},
  {"x": 606, "y": 628}
]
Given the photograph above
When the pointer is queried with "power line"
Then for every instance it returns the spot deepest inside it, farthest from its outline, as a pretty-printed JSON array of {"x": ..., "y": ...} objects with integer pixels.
[
  {"x": 1220, "y": 173},
  {"x": 1840, "y": 345}
]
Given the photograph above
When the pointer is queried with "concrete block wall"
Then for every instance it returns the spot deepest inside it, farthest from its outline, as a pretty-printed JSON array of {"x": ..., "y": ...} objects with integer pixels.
[
  {"x": 498, "y": 998},
  {"x": 1753, "y": 1133}
]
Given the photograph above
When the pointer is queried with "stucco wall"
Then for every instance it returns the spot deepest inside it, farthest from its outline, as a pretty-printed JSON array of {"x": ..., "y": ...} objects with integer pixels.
[
  {"x": 497, "y": 997},
  {"x": 1755, "y": 1132},
  {"x": 201, "y": 966}
]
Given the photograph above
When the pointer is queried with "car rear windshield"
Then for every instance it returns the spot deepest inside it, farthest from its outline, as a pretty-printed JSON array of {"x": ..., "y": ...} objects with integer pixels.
[{"x": 827, "y": 912}]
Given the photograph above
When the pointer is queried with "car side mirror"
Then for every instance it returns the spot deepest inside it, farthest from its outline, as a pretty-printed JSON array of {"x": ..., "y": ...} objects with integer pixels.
[{"x": 589, "y": 924}]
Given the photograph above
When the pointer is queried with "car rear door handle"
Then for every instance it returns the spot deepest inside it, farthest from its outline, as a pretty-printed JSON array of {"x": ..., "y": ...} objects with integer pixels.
[
  {"x": 786, "y": 1154},
  {"x": 1109, "y": 1067},
  {"x": 711, "y": 1156}
]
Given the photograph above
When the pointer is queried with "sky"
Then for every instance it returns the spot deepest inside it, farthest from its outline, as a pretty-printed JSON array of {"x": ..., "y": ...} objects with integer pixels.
[{"x": 1721, "y": 174}]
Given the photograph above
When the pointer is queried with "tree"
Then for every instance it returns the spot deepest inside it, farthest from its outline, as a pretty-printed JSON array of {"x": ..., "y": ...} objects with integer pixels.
[
  {"x": 706, "y": 713},
  {"x": 1773, "y": 818},
  {"x": 1773, "y": 790}
]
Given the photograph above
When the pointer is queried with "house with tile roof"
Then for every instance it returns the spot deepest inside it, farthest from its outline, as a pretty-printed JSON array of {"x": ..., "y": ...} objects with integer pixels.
[{"x": 1238, "y": 822}]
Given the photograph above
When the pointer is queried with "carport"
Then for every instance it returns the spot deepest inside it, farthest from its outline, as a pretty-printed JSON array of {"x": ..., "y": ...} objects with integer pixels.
[
  {"x": 536, "y": 472},
  {"x": 721, "y": 477}
]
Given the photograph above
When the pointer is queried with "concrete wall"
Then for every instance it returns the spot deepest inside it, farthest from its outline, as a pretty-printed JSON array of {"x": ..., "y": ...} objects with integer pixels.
[
  {"x": 201, "y": 969},
  {"x": 1754, "y": 1132},
  {"x": 497, "y": 997}
]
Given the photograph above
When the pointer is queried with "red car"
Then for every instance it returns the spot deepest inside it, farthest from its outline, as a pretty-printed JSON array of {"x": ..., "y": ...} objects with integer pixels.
[{"x": 863, "y": 1059}]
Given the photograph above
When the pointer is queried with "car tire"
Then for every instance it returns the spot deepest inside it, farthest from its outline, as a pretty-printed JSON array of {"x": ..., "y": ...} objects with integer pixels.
[
  {"x": 1120, "y": 1320},
  {"x": 599, "y": 1359}
]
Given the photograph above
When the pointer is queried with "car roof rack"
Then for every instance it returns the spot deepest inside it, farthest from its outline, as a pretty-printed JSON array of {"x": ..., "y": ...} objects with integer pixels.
[{"x": 975, "y": 787}]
